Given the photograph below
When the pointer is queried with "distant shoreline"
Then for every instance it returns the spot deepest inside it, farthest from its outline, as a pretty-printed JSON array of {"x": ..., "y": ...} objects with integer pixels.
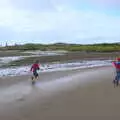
[{"x": 103, "y": 47}]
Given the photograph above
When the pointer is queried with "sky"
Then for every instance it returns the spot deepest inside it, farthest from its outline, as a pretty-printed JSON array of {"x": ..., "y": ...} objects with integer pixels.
[{"x": 51, "y": 21}]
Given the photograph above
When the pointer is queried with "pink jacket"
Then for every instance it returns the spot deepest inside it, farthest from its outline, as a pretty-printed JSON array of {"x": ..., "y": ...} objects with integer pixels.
[
  {"x": 35, "y": 67},
  {"x": 116, "y": 65}
]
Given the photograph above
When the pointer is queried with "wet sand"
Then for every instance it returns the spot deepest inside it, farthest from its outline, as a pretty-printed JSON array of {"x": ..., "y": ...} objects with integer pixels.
[{"x": 81, "y": 94}]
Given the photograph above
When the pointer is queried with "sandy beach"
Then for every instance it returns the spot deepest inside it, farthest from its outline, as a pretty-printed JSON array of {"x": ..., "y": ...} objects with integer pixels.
[{"x": 64, "y": 95}]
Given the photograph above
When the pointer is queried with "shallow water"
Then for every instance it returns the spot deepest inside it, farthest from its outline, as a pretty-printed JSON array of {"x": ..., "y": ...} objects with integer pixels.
[
  {"x": 21, "y": 90},
  {"x": 25, "y": 70}
]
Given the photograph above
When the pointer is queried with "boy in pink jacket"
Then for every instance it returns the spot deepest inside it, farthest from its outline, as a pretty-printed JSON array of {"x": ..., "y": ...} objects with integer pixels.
[
  {"x": 34, "y": 69},
  {"x": 116, "y": 64}
]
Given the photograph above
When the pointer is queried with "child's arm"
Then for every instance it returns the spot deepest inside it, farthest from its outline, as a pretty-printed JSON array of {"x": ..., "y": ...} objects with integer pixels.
[
  {"x": 31, "y": 68},
  {"x": 114, "y": 64},
  {"x": 38, "y": 67}
]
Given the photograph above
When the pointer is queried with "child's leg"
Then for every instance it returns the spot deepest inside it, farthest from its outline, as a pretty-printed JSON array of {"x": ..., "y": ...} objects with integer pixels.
[
  {"x": 117, "y": 78},
  {"x": 114, "y": 81},
  {"x": 33, "y": 80},
  {"x": 117, "y": 83},
  {"x": 37, "y": 76},
  {"x": 32, "y": 77}
]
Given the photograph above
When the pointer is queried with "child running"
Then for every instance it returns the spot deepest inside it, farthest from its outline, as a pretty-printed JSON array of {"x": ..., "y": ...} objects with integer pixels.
[
  {"x": 34, "y": 69},
  {"x": 117, "y": 77}
]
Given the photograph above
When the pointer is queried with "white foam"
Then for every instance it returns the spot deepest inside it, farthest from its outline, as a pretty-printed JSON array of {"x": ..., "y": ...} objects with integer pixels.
[
  {"x": 38, "y": 52},
  {"x": 24, "y": 70}
]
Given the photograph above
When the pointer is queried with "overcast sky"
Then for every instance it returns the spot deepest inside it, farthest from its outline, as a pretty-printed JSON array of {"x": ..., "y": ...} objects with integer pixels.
[{"x": 49, "y": 21}]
